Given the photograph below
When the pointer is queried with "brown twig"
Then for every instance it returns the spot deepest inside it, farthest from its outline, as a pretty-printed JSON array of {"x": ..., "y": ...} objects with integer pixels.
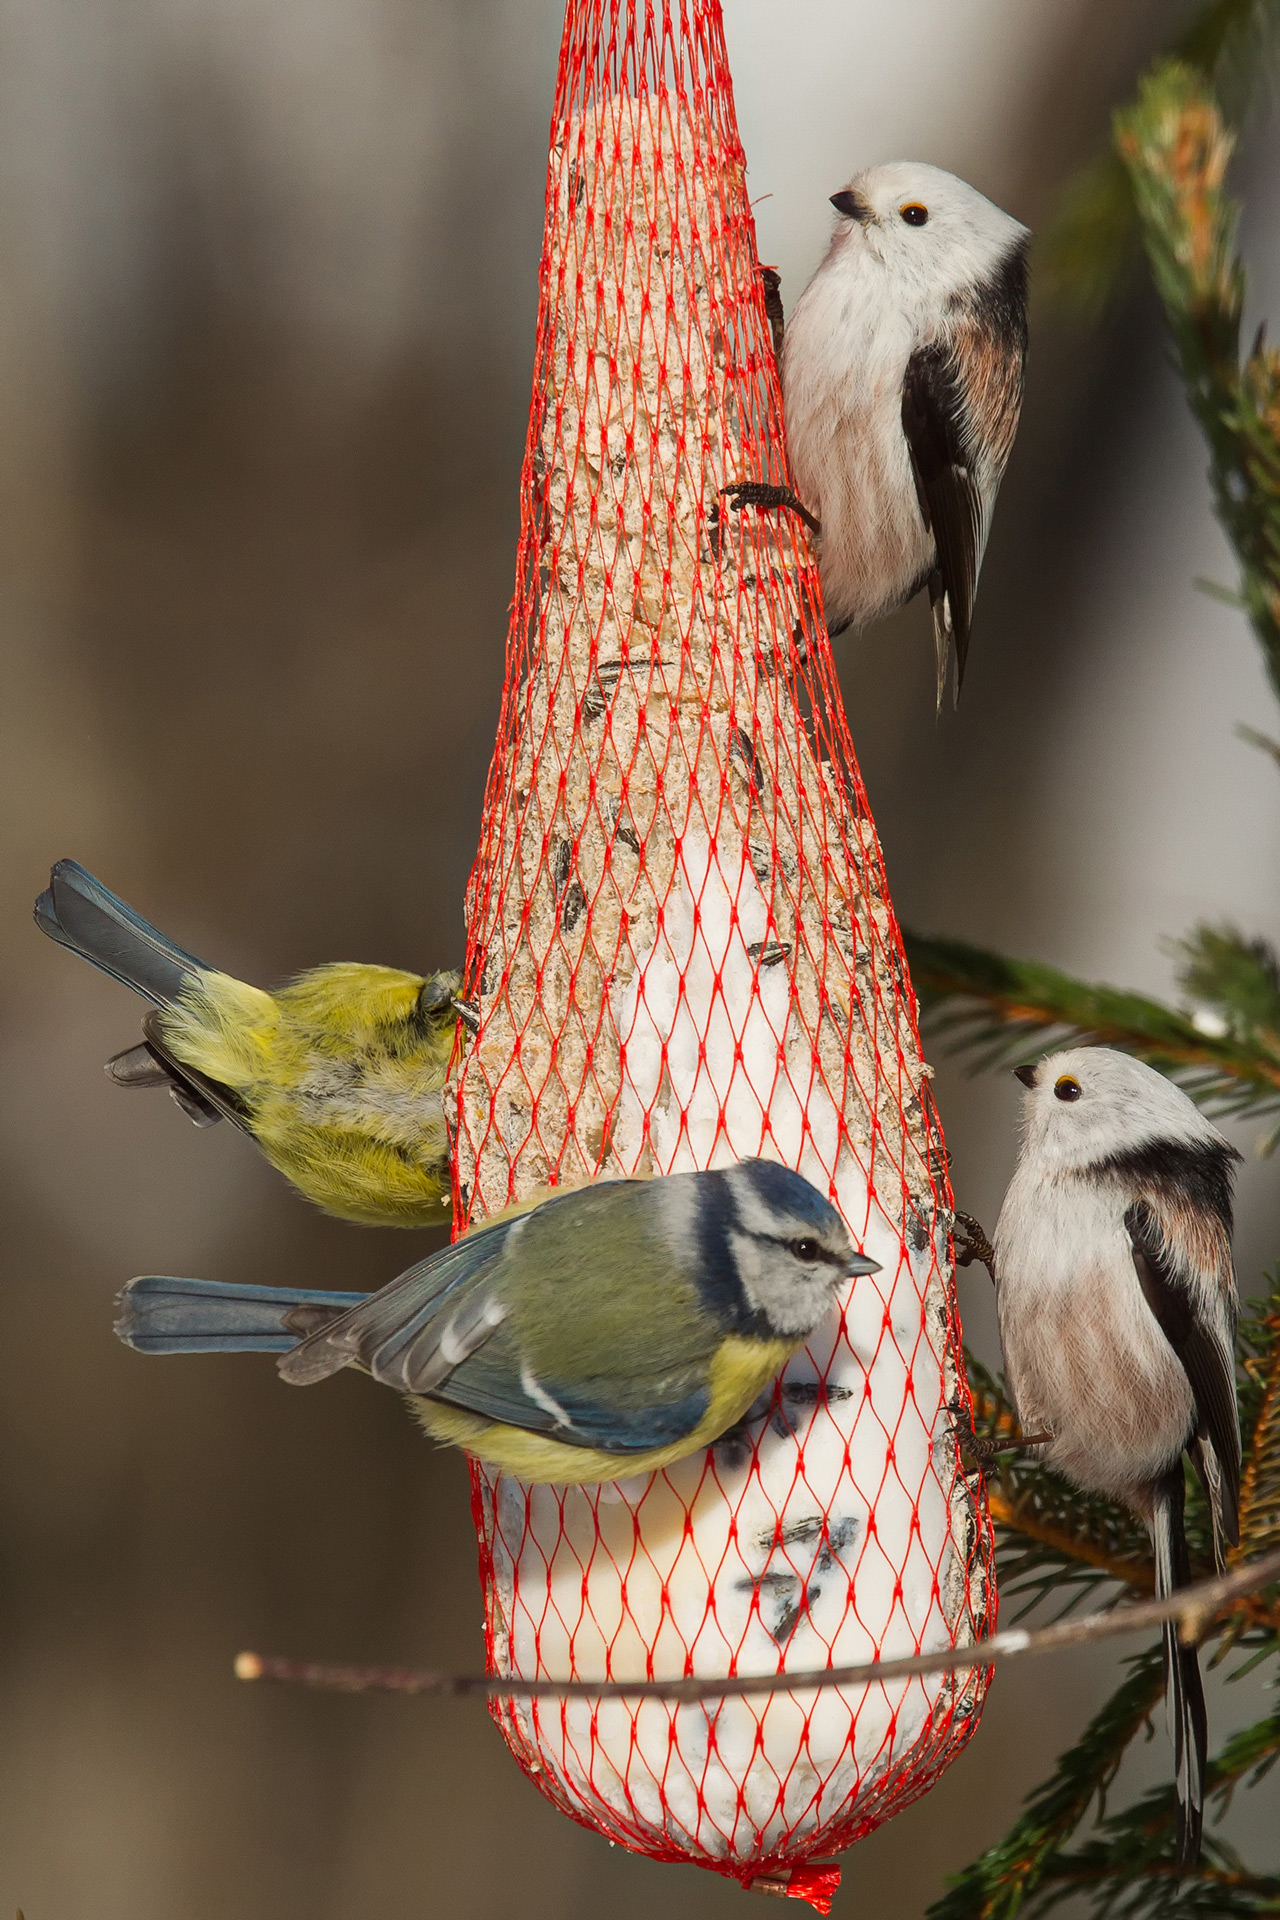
[{"x": 1195, "y": 1603}]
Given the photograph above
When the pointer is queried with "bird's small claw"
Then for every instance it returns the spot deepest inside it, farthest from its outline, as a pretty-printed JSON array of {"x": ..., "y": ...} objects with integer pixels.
[
  {"x": 762, "y": 493},
  {"x": 971, "y": 1243},
  {"x": 987, "y": 1448},
  {"x": 771, "y": 280}
]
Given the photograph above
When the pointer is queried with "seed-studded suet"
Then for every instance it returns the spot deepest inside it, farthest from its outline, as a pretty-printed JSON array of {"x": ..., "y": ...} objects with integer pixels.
[
  {"x": 337, "y": 1076},
  {"x": 606, "y": 1331}
]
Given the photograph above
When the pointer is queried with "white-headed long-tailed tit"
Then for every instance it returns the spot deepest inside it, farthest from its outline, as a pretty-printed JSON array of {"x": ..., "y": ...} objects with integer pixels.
[
  {"x": 1117, "y": 1302},
  {"x": 902, "y": 374}
]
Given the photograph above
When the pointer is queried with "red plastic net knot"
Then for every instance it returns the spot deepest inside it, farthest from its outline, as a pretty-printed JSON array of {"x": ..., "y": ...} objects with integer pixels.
[
  {"x": 816, "y": 1881},
  {"x": 682, "y": 948}
]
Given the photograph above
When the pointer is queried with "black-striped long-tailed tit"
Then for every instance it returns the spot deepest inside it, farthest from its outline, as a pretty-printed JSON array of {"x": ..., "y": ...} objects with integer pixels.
[
  {"x": 902, "y": 379},
  {"x": 1117, "y": 1303}
]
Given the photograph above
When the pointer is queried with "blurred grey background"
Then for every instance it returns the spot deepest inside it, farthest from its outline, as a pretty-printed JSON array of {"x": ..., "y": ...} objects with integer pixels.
[{"x": 267, "y": 294}]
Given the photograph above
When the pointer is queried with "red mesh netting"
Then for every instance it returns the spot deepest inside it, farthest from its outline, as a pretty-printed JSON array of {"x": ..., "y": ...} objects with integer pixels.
[{"x": 684, "y": 954}]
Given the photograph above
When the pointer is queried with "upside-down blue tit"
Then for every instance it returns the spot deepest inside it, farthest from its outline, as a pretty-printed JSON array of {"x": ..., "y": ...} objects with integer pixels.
[
  {"x": 337, "y": 1076},
  {"x": 606, "y": 1331}
]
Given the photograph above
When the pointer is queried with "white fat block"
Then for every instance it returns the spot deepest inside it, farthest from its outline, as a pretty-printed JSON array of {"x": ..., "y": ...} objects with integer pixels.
[{"x": 687, "y": 957}]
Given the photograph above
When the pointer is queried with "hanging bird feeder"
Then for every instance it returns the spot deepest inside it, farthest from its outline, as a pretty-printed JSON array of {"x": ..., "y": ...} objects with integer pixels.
[{"x": 683, "y": 952}]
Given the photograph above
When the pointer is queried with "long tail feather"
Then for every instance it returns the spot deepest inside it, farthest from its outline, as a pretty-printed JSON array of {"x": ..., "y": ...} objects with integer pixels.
[
  {"x": 81, "y": 914},
  {"x": 1184, "y": 1689},
  {"x": 163, "y": 1315},
  {"x": 941, "y": 636}
]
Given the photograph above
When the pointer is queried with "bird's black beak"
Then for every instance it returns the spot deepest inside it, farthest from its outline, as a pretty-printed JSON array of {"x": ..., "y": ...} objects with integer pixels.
[
  {"x": 852, "y": 206},
  {"x": 1027, "y": 1075},
  {"x": 861, "y": 1263}
]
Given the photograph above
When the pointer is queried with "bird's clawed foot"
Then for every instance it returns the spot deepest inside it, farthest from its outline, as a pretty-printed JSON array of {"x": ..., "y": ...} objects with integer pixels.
[
  {"x": 762, "y": 493},
  {"x": 986, "y": 1449},
  {"x": 971, "y": 1243},
  {"x": 771, "y": 280}
]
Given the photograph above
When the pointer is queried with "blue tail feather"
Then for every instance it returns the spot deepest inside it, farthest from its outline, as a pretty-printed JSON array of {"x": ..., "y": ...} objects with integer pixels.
[{"x": 159, "y": 1314}]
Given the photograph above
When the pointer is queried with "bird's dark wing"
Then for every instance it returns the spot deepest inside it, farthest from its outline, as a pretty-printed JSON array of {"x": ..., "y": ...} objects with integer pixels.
[
  {"x": 961, "y": 400},
  {"x": 498, "y": 1383},
  {"x": 524, "y": 1339},
  {"x": 936, "y": 428},
  {"x": 405, "y": 1335},
  {"x": 152, "y": 1064},
  {"x": 1203, "y": 1340},
  {"x": 439, "y": 1330}
]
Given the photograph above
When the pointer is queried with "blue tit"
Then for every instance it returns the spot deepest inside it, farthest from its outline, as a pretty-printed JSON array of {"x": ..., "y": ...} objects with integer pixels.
[
  {"x": 338, "y": 1076},
  {"x": 606, "y": 1331}
]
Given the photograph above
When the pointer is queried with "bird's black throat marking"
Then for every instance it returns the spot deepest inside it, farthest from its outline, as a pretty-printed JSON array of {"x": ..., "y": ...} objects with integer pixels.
[{"x": 1198, "y": 1172}]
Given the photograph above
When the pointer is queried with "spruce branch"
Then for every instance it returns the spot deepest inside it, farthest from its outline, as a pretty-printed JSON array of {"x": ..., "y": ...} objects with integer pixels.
[
  {"x": 1236, "y": 978},
  {"x": 997, "y": 1885},
  {"x": 1262, "y": 741},
  {"x": 1050, "y": 1538},
  {"x": 1257, "y": 1625},
  {"x": 1002, "y": 1011},
  {"x": 1127, "y": 1868},
  {"x": 1083, "y": 254},
  {"x": 1175, "y": 145},
  {"x": 1260, "y": 1417}
]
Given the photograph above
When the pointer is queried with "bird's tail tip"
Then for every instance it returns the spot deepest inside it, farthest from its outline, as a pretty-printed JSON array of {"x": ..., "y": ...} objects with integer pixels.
[
  {"x": 83, "y": 915},
  {"x": 159, "y": 1313}
]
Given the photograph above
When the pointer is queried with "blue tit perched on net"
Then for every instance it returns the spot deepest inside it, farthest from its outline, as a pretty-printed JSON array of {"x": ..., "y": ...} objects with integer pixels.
[
  {"x": 606, "y": 1331},
  {"x": 338, "y": 1076}
]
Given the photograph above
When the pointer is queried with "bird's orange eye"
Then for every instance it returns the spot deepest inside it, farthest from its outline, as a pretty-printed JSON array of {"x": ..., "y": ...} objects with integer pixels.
[
  {"x": 914, "y": 214},
  {"x": 1067, "y": 1088}
]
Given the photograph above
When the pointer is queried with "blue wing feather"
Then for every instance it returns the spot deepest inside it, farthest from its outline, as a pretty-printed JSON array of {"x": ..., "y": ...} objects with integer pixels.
[
  {"x": 494, "y": 1384},
  {"x": 380, "y": 1331}
]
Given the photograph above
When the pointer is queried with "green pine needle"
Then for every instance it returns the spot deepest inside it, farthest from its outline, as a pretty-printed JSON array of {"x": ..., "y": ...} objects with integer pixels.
[
  {"x": 1175, "y": 143},
  {"x": 1083, "y": 253},
  {"x": 1127, "y": 1868},
  {"x": 1236, "y": 978},
  {"x": 997, "y": 1885},
  {"x": 1001, "y": 1011}
]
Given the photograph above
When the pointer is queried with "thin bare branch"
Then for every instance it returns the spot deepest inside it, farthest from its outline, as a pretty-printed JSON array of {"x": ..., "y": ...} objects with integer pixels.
[{"x": 1196, "y": 1606}]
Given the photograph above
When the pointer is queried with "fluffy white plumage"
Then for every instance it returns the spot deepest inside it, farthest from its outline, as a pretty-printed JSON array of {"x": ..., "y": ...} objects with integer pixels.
[
  {"x": 1117, "y": 1305},
  {"x": 902, "y": 377}
]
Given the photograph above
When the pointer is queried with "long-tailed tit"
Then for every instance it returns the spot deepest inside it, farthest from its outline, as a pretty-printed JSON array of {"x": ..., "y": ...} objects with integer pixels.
[
  {"x": 1117, "y": 1302},
  {"x": 902, "y": 377}
]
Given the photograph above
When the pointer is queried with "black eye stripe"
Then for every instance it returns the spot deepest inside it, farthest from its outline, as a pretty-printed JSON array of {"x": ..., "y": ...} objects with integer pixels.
[{"x": 813, "y": 1250}]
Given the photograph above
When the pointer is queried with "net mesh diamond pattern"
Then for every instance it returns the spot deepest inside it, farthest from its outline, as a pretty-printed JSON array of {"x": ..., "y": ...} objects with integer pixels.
[{"x": 683, "y": 951}]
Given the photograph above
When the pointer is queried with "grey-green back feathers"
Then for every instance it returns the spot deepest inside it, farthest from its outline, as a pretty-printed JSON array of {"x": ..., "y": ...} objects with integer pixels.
[{"x": 597, "y": 1316}]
